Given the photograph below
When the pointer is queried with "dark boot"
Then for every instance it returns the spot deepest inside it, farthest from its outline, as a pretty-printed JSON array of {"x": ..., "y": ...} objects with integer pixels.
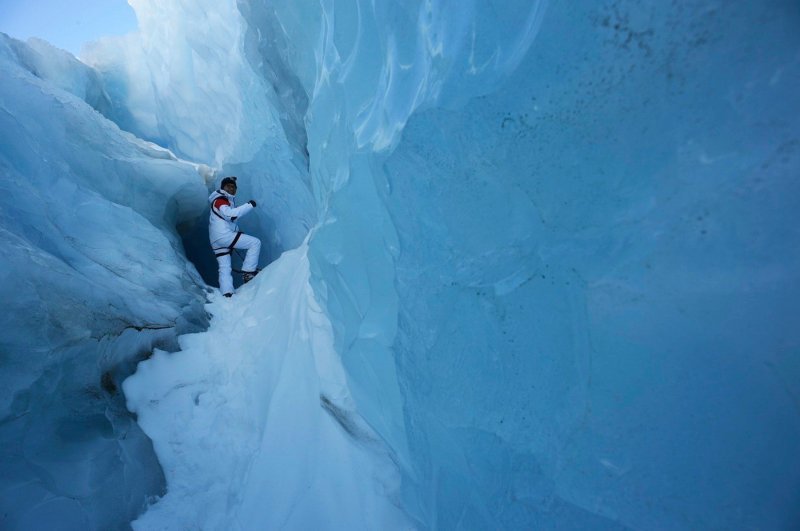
[{"x": 247, "y": 276}]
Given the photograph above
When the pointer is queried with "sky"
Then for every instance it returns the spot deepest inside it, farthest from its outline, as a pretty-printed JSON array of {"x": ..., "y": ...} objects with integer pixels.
[{"x": 67, "y": 24}]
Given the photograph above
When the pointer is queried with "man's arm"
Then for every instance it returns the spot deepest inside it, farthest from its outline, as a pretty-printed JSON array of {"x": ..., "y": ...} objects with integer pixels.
[{"x": 231, "y": 214}]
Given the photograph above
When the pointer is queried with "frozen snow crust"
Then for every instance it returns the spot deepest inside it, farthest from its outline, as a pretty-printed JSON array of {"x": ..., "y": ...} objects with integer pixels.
[{"x": 254, "y": 423}]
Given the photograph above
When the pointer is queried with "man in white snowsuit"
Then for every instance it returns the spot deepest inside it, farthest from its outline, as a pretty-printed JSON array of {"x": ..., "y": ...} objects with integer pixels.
[{"x": 225, "y": 236}]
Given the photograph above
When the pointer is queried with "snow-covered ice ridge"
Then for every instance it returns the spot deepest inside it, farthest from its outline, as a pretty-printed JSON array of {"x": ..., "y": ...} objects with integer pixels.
[
  {"x": 536, "y": 267},
  {"x": 254, "y": 424}
]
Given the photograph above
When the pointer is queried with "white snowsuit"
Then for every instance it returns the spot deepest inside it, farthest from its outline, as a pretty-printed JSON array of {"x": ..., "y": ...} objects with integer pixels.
[{"x": 224, "y": 234}]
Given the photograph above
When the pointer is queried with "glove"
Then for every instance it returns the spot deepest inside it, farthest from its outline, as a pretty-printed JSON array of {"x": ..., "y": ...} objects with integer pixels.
[{"x": 252, "y": 202}]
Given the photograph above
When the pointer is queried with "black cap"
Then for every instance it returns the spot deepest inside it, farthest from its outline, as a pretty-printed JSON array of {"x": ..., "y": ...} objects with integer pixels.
[{"x": 228, "y": 180}]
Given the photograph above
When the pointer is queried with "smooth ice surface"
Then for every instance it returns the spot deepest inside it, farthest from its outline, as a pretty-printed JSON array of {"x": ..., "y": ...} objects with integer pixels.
[{"x": 609, "y": 245}]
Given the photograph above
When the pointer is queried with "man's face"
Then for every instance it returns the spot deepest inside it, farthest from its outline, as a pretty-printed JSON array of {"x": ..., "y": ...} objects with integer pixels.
[{"x": 230, "y": 188}]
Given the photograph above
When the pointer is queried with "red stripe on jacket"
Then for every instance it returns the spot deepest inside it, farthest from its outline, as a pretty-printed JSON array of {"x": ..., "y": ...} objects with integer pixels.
[{"x": 220, "y": 201}]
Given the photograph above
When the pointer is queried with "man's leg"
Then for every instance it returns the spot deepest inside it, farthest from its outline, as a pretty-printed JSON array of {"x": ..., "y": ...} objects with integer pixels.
[
  {"x": 253, "y": 246},
  {"x": 225, "y": 278}
]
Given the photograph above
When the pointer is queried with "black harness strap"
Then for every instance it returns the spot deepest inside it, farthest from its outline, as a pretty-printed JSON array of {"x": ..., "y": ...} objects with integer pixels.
[
  {"x": 229, "y": 249},
  {"x": 233, "y": 218}
]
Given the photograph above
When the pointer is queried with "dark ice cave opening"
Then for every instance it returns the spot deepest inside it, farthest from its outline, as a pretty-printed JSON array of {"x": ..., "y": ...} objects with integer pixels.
[{"x": 194, "y": 236}]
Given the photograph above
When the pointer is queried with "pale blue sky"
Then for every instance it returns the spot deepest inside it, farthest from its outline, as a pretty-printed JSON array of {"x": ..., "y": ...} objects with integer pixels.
[{"x": 67, "y": 24}]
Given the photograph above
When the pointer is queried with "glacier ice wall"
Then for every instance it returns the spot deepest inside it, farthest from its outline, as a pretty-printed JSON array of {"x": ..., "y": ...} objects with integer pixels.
[
  {"x": 93, "y": 277},
  {"x": 565, "y": 297},
  {"x": 615, "y": 260}
]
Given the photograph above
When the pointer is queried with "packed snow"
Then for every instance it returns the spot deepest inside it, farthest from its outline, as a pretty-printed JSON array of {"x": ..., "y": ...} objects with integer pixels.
[{"x": 253, "y": 422}]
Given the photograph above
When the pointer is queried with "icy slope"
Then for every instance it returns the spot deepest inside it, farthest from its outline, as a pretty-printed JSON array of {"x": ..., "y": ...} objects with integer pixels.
[{"x": 253, "y": 422}]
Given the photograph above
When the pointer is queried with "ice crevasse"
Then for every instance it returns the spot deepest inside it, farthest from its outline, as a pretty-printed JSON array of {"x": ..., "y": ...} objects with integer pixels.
[{"x": 533, "y": 265}]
